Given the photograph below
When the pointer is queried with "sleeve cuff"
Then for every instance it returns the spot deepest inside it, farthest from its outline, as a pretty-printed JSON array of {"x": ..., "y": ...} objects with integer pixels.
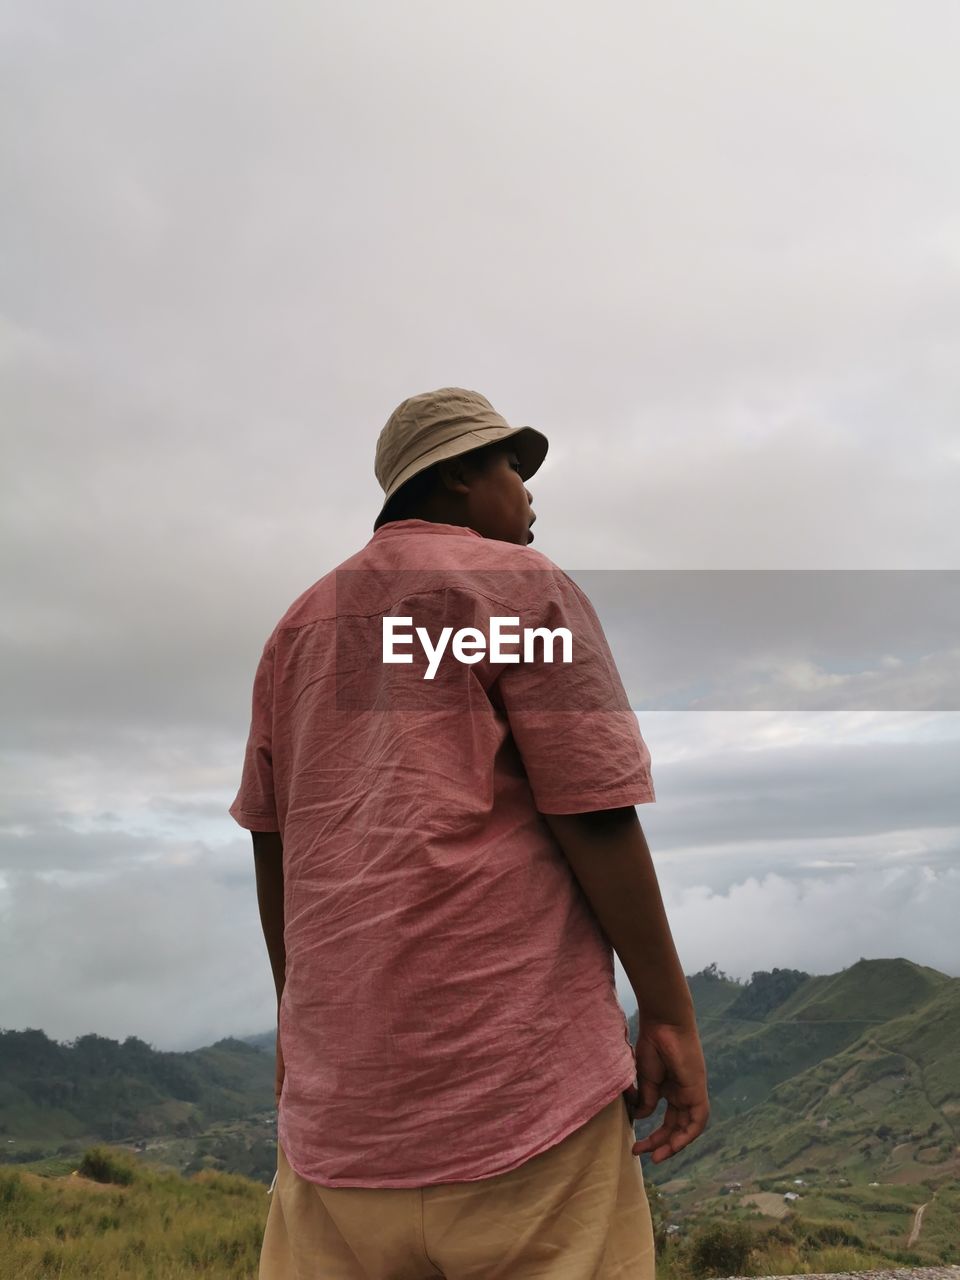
[
  {"x": 254, "y": 821},
  {"x": 602, "y": 798}
]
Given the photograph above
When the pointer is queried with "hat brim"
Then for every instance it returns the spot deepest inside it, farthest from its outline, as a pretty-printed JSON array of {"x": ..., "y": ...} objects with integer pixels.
[{"x": 531, "y": 446}]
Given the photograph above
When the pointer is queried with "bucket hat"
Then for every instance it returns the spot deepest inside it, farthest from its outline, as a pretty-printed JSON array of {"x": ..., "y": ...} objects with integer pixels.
[{"x": 426, "y": 428}]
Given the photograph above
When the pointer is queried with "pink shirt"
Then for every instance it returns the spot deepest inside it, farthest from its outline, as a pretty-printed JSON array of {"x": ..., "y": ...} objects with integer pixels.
[{"x": 449, "y": 1008}]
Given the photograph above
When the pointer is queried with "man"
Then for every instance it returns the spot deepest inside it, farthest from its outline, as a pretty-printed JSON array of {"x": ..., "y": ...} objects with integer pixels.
[{"x": 444, "y": 867}]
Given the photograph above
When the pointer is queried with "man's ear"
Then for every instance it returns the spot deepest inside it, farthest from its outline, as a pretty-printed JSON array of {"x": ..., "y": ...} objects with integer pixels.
[
  {"x": 455, "y": 475},
  {"x": 458, "y": 474}
]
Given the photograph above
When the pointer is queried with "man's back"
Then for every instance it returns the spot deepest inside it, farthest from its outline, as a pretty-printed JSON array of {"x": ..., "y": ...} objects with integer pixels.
[{"x": 449, "y": 1009}]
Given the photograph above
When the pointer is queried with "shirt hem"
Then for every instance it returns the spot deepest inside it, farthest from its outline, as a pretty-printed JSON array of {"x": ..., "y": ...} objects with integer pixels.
[
  {"x": 592, "y": 800},
  {"x": 254, "y": 821},
  {"x": 583, "y": 1117}
]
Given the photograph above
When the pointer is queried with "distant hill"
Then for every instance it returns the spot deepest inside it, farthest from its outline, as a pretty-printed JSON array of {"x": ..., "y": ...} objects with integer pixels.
[
  {"x": 266, "y": 1041},
  {"x": 94, "y": 1087},
  {"x": 856, "y": 1073}
]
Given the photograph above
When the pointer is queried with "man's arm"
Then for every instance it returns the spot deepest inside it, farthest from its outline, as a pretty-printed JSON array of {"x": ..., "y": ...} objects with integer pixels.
[
  {"x": 608, "y": 854},
  {"x": 268, "y": 866}
]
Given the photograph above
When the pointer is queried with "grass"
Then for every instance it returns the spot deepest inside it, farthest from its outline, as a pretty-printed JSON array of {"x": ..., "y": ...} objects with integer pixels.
[
  {"x": 875, "y": 1222},
  {"x": 159, "y": 1226}
]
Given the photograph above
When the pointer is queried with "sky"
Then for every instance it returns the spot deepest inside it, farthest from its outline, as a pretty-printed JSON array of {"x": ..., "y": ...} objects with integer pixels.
[{"x": 711, "y": 251}]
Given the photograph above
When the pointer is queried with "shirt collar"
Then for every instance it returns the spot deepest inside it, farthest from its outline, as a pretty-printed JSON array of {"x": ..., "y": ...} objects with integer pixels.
[{"x": 393, "y": 527}]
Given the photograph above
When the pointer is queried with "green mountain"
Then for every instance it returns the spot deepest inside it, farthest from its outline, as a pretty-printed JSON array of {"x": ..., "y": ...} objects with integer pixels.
[
  {"x": 94, "y": 1087},
  {"x": 854, "y": 1074},
  {"x": 833, "y": 1139},
  {"x": 265, "y": 1040}
]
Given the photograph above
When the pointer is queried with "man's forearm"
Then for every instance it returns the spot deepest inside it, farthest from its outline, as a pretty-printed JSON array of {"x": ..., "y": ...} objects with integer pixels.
[
  {"x": 608, "y": 854},
  {"x": 268, "y": 866}
]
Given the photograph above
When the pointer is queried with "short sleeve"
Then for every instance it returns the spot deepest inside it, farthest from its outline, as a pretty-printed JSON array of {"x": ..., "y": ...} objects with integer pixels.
[
  {"x": 577, "y": 736},
  {"x": 255, "y": 805}
]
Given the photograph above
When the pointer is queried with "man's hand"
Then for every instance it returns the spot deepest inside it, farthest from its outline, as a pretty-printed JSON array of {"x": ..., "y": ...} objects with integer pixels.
[
  {"x": 669, "y": 1065},
  {"x": 278, "y": 1078}
]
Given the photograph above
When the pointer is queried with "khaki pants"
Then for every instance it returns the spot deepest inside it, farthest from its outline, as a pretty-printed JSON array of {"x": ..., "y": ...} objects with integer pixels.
[{"x": 577, "y": 1211}]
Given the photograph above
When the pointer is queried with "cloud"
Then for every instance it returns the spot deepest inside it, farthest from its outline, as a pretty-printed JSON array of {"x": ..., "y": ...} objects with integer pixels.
[
  {"x": 713, "y": 254},
  {"x": 822, "y": 790},
  {"x": 820, "y": 923},
  {"x": 147, "y": 909},
  {"x": 793, "y": 640},
  {"x": 171, "y": 952}
]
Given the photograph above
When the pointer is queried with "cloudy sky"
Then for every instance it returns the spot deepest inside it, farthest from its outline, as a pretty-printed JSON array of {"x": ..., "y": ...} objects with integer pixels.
[{"x": 712, "y": 251}]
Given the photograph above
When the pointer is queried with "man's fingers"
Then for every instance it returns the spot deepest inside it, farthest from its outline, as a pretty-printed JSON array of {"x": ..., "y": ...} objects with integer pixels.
[
  {"x": 678, "y": 1130},
  {"x": 649, "y": 1096},
  {"x": 679, "y": 1127},
  {"x": 659, "y": 1136},
  {"x": 678, "y": 1140},
  {"x": 652, "y": 1142}
]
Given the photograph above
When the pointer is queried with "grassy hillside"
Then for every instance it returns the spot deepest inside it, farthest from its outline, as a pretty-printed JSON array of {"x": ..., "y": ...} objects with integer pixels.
[
  {"x": 156, "y": 1226},
  {"x": 782, "y": 1023},
  {"x": 115, "y": 1219},
  {"x": 848, "y": 1082},
  {"x": 713, "y": 992},
  {"x": 209, "y": 1108},
  {"x": 838, "y": 1092},
  {"x": 98, "y": 1087},
  {"x": 870, "y": 990},
  {"x": 844, "y": 1093}
]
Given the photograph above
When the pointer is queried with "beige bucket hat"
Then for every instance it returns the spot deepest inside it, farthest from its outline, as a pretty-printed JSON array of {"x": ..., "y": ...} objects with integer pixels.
[{"x": 442, "y": 424}]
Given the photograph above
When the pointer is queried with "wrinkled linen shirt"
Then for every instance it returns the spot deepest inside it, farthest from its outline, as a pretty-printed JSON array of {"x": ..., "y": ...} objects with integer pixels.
[{"x": 449, "y": 1008}]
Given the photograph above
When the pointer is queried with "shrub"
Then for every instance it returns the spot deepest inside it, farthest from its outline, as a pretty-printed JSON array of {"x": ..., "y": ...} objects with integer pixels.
[
  {"x": 781, "y": 1233},
  {"x": 103, "y": 1165},
  {"x": 832, "y": 1233},
  {"x": 721, "y": 1249},
  {"x": 11, "y": 1187}
]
